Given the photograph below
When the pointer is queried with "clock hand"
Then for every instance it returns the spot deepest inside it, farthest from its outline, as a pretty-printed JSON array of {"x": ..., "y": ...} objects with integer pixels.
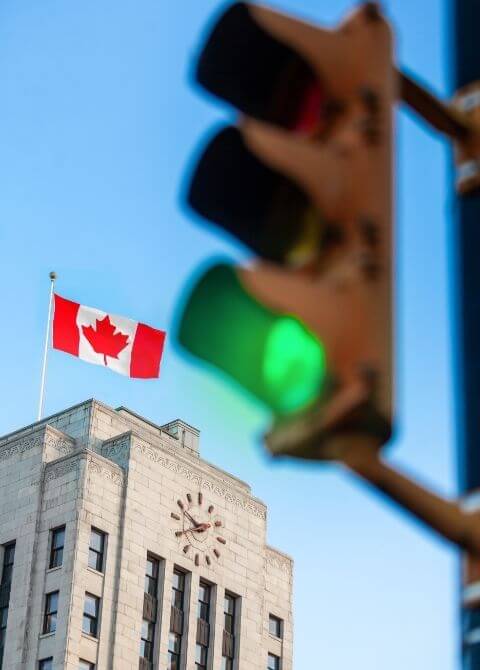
[
  {"x": 195, "y": 523},
  {"x": 201, "y": 528}
]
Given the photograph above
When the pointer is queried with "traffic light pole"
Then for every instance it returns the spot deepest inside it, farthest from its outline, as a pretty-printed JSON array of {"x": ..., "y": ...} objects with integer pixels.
[
  {"x": 454, "y": 521},
  {"x": 466, "y": 15},
  {"x": 466, "y": 69}
]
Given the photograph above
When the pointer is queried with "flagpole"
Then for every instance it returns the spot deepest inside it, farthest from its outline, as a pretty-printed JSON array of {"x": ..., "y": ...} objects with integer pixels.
[{"x": 53, "y": 277}]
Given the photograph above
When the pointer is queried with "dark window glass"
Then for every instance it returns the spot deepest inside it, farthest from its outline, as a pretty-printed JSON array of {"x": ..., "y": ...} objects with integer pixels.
[
  {"x": 275, "y": 626},
  {"x": 46, "y": 664},
  {"x": 203, "y": 613},
  {"x": 57, "y": 542},
  {"x": 50, "y": 614},
  {"x": 175, "y": 639},
  {"x": 8, "y": 559},
  {"x": 96, "y": 550},
  {"x": 146, "y": 643},
  {"x": 178, "y": 588},
  {"x": 179, "y": 580},
  {"x": 3, "y": 625},
  {"x": 90, "y": 615},
  {"x": 174, "y": 648},
  {"x": 273, "y": 662},
  {"x": 203, "y": 606},
  {"x": 229, "y": 613},
  {"x": 200, "y": 657},
  {"x": 85, "y": 665},
  {"x": 151, "y": 576}
]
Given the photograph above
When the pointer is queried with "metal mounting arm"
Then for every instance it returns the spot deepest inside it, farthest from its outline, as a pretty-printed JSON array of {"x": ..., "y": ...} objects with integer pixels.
[
  {"x": 445, "y": 517},
  {"x": 459, "y": 120},
  {"x": 440, "y": 116}
]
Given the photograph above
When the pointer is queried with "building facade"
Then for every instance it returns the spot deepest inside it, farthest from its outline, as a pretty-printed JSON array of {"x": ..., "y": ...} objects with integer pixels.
[{"x": 122, "y": 549}]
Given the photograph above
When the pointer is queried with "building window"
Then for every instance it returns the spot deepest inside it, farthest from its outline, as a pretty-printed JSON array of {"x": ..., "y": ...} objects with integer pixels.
[
  {"x": 229, "y": 613},
  {"x": 151, "y": 576},
  {"x": 174, "y": 651},
  {"x": 90, "y": 615},
  {"x": 57, "y": 542},
  {"x": 96, "y": 551},
  {"x": 150, "y": 608},
  {"x": 275, "y": 626},
  {"x": 3, "y": 626},
  {"x": 203, "y": 626},
  {"x": 8, "y": 559},
  {"x": 147, "y": 640},
  {"x": 85, "y": 665},
  {"x": 204, "y": 597},
  {"x": 176, "y": 620},
  {"x": 273, "y": 662},
  {"x": 178, "y": 589},
  {"x": 228, "y": 642},
  {"x": 201, "y": 654},
  {"x": 5, "y": 584},
  {"x": 50, "y": 615},
  {"x": 46, "y": 664}
]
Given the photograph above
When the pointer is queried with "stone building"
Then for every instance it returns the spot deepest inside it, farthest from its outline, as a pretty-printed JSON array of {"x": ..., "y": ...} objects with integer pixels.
[{"x": 122, "y": 549}]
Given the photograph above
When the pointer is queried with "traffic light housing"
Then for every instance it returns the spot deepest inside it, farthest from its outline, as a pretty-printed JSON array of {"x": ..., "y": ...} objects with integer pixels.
[{"x": 305, "y": 182}]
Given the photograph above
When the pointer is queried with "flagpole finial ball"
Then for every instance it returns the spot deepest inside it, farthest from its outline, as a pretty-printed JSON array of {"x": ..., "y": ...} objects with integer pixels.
[{"x": 53, "y": 276}]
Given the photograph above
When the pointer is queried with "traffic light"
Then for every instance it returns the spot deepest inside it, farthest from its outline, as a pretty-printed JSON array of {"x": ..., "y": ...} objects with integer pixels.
[{"x": 304, "y": 182}]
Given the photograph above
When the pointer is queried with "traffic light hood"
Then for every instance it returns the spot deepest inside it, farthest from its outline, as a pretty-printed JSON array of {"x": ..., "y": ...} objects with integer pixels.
[
  {"x": 262, "y": 76},
  {"x": 258, "y": 205}
]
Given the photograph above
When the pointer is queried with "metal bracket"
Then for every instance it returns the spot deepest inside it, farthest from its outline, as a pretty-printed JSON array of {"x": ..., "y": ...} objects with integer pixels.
[
  {"x": 467, "y": 150},
  {"x": 459, "y": 120}
]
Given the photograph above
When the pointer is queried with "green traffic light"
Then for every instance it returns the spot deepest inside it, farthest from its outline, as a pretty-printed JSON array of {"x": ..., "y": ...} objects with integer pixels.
[{"x": 272, "y": 355}]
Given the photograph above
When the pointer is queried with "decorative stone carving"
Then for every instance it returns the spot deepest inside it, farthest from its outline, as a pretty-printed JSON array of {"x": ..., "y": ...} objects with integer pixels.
[
  {"x": 57, "y": 470},
  {"x": 276, "y": 560},
  {"x": 62, "y": 444},
  {"x": 95, "y": 465},
  {"x": 154, "y": 454},
  {"x": 44, "y": 436},
  {"x": 117, "y": 450}
]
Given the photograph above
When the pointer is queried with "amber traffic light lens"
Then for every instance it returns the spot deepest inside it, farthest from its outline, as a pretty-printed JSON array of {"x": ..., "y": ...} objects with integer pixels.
[
  {"x": 259, "y": 206},
  {"x": 245, "y": 65}
]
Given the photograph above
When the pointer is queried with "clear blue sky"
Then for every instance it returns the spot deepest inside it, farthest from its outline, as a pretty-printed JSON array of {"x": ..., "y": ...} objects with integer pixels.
[{"x": 97, "y": 122}]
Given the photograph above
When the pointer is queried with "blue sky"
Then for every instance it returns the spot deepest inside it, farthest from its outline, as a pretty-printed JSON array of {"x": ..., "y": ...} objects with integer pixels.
[{"x": 98, "y": 120}]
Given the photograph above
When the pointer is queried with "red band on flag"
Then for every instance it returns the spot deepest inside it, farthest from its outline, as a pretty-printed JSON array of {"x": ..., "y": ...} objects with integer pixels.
[
  {"x": 66, "y": 336},
  {"x": 147, "y": 352}
]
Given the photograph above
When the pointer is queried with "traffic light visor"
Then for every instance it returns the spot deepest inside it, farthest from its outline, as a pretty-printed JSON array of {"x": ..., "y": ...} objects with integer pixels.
[
  {"x": 260, "y": 75},
  {"x": 271, "y": 355}
]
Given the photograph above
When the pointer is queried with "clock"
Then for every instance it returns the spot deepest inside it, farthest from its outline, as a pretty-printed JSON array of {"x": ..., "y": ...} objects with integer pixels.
[{"x": 199, "y": 529}]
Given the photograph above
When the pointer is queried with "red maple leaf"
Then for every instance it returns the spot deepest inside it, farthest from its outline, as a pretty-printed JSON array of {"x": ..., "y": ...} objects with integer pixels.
[{"x": 104, "y": 340}]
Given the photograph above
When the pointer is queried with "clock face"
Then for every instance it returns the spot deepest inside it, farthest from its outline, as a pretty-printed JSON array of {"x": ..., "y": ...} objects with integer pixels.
[{"x": 199, "y": 529}]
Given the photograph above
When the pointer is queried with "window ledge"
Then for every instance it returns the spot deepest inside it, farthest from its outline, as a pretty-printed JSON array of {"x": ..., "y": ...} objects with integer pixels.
[
  {"x": 44, "y": 635},
  {"x": 59, "y": 567},
  {"x": 274, "y": 637},
  {"x": 95, "y": 572},
  {"x": 90, "y": 637}
]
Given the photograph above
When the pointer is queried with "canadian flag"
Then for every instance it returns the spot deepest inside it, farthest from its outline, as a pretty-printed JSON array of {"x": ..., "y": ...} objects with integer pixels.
[{"x": 125, "y": 346}]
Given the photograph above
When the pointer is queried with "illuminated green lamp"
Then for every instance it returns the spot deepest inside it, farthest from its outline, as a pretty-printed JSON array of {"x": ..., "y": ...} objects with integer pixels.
[{"x": 270, "y": 354}]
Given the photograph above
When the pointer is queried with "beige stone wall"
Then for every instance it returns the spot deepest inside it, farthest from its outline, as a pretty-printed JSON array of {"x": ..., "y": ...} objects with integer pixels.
[{"x": 93, "y": 466}]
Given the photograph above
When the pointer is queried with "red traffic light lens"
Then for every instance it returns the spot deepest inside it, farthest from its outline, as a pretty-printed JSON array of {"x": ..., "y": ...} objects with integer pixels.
[{"x": 263, "y": 77}]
